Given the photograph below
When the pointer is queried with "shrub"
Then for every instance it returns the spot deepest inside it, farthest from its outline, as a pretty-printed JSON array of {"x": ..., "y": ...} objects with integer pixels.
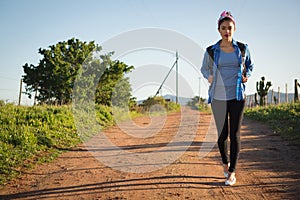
[
  {"x": 283, "y": 118},
  {"x": 25, "y": 132}
]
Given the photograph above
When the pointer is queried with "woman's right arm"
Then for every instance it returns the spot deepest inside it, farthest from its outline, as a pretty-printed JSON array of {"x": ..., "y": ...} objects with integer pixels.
[{"x": 206, "y": 68}]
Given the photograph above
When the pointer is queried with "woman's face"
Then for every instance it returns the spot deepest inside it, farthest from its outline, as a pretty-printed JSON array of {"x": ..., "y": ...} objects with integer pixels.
[{"x": 226, "y": 30}]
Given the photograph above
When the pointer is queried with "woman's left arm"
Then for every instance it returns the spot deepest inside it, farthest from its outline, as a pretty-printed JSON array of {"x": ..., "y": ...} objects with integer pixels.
[{"x": 248, "y": 62}]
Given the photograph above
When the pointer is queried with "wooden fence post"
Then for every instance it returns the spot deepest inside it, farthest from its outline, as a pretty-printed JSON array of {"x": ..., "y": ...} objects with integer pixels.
[
  {"x": 20, "y": 92},
  {"x": 278, "y": 95},
  {"x": 296, "y": 95},
  {"x": 272, "y": 96},
  {"x": 286, "y": 94}
]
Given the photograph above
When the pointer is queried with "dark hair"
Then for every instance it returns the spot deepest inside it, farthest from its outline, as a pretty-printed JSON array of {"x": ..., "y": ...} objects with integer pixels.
[{"x": 223, "y": 20}]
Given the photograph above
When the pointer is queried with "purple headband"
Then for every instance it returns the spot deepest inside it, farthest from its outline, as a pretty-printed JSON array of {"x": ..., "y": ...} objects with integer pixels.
[{"x": 225, "y": 14}]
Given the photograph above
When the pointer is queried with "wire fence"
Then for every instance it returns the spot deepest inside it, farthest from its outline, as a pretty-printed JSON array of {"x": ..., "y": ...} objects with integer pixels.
[{"x": 273, "y": 97}]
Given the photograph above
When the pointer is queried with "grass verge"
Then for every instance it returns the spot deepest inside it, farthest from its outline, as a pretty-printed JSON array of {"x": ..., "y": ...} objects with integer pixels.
[
  {"x": 283, "y": 118},
  {"x": 31, "y": 135}
]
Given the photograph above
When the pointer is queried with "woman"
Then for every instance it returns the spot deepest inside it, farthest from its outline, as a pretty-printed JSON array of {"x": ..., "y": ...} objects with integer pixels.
[{"x": 227, "y": 66}]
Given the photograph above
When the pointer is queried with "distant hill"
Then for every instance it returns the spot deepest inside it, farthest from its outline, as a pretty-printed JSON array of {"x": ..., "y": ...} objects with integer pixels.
[
  {"x": 282, "y": 97},
  {"x": 181, "y": 100}
]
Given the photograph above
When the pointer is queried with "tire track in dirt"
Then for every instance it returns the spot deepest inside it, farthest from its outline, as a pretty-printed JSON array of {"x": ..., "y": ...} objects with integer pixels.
[{"x": 268, "y": 168}]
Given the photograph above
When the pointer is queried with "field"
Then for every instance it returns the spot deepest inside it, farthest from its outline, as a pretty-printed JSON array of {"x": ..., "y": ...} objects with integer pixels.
[
  {"x": 37, "y": 134},
  {"x": 284, "y": 119}
]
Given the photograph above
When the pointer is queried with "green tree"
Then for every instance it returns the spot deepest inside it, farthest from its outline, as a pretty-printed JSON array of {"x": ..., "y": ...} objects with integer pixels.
[
  {"x": 52, "y": 79},
  {"x": 87, "y": 79},
  {"x": 96, "y": 75},
  {"x": 114, "y": 86},
  {"x": 121, "y": 93}
]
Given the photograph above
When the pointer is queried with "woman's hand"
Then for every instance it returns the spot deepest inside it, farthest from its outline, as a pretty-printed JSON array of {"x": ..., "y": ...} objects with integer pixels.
[
  {"x": 244, "y": 79},
  {"x": 210, "y": 79}
]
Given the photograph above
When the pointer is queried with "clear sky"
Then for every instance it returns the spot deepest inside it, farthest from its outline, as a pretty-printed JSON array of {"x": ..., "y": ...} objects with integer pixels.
[{"x": 270, "y": 28}]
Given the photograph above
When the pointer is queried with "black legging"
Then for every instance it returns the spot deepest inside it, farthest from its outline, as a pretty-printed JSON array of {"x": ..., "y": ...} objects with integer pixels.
[{"x": 221, "y": 110}]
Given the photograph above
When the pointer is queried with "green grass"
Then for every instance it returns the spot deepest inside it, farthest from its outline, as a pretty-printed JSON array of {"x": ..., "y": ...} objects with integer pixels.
[
  {"x": 30, "y": 135},
  {"x": 284, "y": 119}
]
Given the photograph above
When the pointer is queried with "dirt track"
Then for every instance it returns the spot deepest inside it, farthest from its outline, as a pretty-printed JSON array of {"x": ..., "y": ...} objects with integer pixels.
[{"x": 268, "y": 168}]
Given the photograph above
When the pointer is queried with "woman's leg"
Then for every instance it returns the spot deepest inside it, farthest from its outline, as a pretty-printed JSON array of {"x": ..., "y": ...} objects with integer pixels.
[
  {"x": 235, "y": 110},
  {"x": 221, "y": 120},
  {"x": 223, "y": 141}
]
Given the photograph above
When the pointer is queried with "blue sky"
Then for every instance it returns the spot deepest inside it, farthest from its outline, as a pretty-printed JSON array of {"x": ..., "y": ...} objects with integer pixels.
[{"x": 269, "y": 27}]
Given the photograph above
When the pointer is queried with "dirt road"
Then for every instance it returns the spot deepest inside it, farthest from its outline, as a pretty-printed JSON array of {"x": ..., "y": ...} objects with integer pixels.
[{"x": 268, "y": 168}]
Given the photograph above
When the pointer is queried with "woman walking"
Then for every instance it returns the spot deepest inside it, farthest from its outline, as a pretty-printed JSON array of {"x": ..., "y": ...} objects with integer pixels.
[{"x": 227, "y": 66}]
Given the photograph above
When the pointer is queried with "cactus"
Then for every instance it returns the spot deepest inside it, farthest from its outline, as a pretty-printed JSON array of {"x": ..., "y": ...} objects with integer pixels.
[
  {"x": 296, "y": 97},
  {"x": 262, "y": 90}
]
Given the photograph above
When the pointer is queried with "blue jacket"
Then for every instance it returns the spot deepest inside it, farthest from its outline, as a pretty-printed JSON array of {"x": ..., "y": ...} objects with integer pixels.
[{"x": 207, "y": 62}]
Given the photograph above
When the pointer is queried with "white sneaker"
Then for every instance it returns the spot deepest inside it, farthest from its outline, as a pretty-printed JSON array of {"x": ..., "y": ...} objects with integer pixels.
[{"x": 230, "y": 182}]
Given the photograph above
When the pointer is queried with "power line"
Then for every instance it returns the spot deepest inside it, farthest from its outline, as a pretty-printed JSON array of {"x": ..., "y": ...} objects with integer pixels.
[
  {"x": 8, "y": 78},
  {"x": 160, "y": 87},
  {"x": 3, "y": 89}
]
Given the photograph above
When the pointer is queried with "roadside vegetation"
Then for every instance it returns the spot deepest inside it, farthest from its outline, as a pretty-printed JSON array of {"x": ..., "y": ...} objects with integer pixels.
[
  {"x": 200, "y": 104},
  {"x": 36, "y": 134},
  {"x": 32, "y": 135},
  {"x": 284, "y": 119}
]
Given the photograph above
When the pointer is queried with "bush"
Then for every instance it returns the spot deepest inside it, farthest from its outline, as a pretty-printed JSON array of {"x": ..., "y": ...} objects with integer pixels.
[
  {"x": 284, "y": 119},
  {"x": 152, "y": 102},
  {"x": 25, "y": 132},
  {"x": 2, "y": 103}
]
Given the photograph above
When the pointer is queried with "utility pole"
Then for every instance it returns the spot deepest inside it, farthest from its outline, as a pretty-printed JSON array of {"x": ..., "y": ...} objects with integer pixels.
[
  {"x": 296, "y": 95},
  {"x": 199, "y": 89},
  {"x": 161, "y": 85},
  {"x": 286, "y": 93},
  {"x": 176, "y": 77},
  {"x": 278, "y": 95},
  {"x": 20, "y": 94}
]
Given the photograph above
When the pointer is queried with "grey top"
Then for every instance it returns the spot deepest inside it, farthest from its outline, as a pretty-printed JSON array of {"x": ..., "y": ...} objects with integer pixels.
[{"x": 226, "y": 76}]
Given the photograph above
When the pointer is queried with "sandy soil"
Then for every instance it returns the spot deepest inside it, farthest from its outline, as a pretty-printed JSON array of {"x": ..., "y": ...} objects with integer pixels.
[{"x": 268, "y": 167}]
